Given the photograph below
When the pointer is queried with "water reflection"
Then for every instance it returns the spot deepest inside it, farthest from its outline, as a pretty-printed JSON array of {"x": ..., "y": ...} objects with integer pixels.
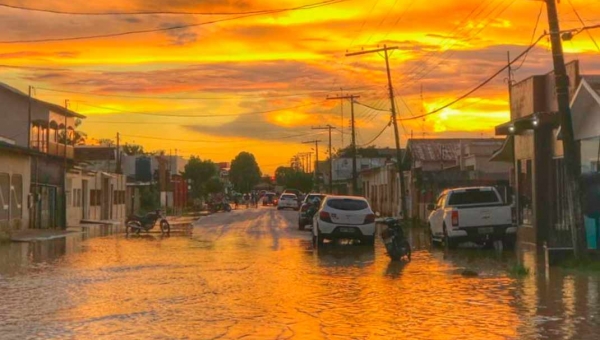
[{"x": 237, "y": 285}]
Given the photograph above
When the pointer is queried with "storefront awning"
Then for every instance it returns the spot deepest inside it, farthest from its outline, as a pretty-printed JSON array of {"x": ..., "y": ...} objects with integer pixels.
[
  {"x": 506, "y": 153},
  {"x": 519, "y": 125}
]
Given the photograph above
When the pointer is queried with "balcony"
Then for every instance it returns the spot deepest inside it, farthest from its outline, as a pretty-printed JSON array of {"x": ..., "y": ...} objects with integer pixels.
[{"x": 54, "y": 149}]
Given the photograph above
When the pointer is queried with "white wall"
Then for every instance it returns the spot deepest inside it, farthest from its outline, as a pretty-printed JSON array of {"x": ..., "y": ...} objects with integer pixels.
[{"x": 12, "y": 164}]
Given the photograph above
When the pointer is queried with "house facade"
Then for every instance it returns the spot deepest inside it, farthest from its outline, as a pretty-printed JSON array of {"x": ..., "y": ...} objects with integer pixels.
[
  {"x": 15, "y": 179},
  {"x": 48, "y": 131},
  {"x": 437, "y": 164},
  {"x": 534, "y": 149}
]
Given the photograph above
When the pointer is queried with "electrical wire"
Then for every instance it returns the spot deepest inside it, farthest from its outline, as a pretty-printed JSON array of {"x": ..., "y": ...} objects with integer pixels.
[
  {"x": 177, "y": 27},
  {"x": 212, "y": 141},
  {"x": 378, "y": 135},
  {"x": 362, "y": 26},
  {"x": 537, "y": 22},
  {"x": 583, "y": 23},
  {"x": 52, "y": 11},
  {"x": 178, "y": 98},
  {"x": 199, "y": 116},
  {"x": 485, "y": 82}
]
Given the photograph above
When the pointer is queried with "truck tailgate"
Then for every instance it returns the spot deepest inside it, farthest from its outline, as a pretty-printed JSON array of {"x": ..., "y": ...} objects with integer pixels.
[{"x": 484, "y": 216}]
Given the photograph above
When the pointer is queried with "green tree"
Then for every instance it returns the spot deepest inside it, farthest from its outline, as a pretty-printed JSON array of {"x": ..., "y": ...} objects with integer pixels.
[
  {"x": 244, "y": 173},
  {"x": 214, "y": 185},
  {"x": 199, "y": 172},
  {"x": 133, "y": 149},
  {"x": 291, "y": 178}
]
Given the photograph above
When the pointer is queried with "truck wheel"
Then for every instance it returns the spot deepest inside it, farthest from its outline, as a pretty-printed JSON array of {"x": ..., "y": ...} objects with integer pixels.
[{"x": 448, "y": 242}]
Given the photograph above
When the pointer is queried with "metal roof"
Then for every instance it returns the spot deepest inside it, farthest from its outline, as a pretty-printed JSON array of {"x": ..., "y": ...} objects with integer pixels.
[{"x": 50, "y": 106}]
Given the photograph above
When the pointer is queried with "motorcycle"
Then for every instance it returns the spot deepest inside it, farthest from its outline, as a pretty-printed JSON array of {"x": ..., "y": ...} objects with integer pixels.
[
  {"x": 395, "y": 242},
  {"x": 221, "y": 206},
  {"x": 135, "y": 224}
]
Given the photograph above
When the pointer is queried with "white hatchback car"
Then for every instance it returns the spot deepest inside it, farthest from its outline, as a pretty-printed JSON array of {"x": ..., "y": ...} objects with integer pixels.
[
  {"x": 344, "y": 217},
  {"x": 288, "y": 201}
]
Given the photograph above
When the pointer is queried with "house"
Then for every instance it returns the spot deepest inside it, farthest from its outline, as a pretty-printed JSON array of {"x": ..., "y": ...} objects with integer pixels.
[
  {"x": 15, "y": 179},
  {"x": 381, "y": 188},
  {"x": 434, "y": 165},
  {"x": 534, "y": 150},
  {"x": 49, "y": 130}
]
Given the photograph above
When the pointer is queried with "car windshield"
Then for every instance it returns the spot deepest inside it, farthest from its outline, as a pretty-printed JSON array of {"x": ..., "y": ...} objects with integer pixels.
[
  {"x": 288, "y": 197},
  {"x": 473, "y": 197},
  {"x": 347, "y": 204}
]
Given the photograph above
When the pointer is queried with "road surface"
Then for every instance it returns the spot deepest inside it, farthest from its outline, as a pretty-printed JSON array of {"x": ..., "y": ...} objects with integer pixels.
[{"x": 250, "y": 274}]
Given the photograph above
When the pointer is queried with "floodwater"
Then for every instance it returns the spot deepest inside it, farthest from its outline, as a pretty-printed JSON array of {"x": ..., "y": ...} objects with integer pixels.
[{"x": 251, "y": 274}]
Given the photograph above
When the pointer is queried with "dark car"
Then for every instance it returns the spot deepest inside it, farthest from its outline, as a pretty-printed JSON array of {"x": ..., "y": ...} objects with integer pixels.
[
  {"x": 303, "y": 217},
  {"x": 269, "y": 198}
]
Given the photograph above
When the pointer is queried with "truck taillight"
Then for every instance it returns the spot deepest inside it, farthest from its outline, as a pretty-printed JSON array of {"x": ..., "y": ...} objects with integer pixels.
[
  {"x": 370, "y": 218},
  {"x": 455, "y": 218},
  {"x": 324, "y": 216}
]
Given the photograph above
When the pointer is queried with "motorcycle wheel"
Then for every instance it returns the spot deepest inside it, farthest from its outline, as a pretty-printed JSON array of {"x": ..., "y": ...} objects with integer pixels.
[
  {"x": 132, "y": 227},
  {"x": 408, "y": 251},
  {"x": 165, "y": 228},
  {"x": 227, "y": 208}
]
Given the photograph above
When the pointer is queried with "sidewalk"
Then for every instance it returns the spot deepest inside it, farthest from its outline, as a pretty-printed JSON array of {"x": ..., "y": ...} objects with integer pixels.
[{"x": 31, "y": 235}]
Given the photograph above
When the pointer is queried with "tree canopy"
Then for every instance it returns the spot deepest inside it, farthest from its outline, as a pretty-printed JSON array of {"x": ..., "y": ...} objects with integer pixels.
[
  {"x": 244, "y": 173},
  {"x": 133, "y": 149},
  {"x": 199, "y": 173},
  {"x": 291, "y": 178}
]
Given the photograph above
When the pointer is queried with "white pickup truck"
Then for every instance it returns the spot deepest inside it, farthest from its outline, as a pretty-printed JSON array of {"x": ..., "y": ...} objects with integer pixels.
[{"x": 475, "y": 214}]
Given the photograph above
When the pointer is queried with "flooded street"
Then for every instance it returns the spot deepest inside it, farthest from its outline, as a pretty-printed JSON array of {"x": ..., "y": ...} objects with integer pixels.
[{"x": 251, "y": 274}]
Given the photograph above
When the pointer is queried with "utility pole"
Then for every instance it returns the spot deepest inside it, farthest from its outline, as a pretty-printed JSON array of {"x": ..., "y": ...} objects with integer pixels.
[
  {"x": 385, "y": 49},
  {"x": 342, "y": 106},
  {"x": 65, "y": 169},
  {"x": 328, "y": 127},
  {"x": 514, "y": 156},
  {"x": 353, "y": 146},
  {"x": 571, "y": 159},
  {"x": 316, "y": 184},
  {"x": 118, "y": 155}
]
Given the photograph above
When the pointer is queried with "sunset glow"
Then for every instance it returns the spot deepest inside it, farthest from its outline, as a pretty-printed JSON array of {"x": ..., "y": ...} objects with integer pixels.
[{"x": 221, "y": 82}]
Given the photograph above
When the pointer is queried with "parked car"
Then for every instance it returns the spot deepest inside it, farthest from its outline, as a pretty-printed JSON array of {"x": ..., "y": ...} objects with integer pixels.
[
  {"x": 288, "y": 201},
  {"x": 475, "y": 214},
  {"x": 269, "y": 198},
  {"x": 344, "y": 217},
  {"x": 303, "y": 218}
]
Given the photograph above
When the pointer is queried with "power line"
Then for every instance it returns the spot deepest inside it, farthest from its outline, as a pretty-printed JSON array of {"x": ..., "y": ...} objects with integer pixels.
[
  {"x": 43, "y": 10},
  {"x": 480, "y": 85},
  {"x": 362, "y": 26},
  {"x": 372, "y": 107},
  {"x": 212, "y": 141},
  {"x": 583, "y": 23},
  {"x": 537, "y": 22},
  {"x": 108, "y": 35},
  {"x": 378, "y": 135},
  {"x": 199, "y": 116}
]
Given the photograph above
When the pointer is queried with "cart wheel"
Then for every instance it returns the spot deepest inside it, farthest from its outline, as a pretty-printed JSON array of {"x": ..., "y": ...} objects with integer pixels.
[{"x": 165, "y": 227}]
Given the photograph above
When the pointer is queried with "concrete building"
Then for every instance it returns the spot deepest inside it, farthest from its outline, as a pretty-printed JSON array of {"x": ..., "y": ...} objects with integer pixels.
[
  {"x": 48, "y": 130},
  {"x": 534, "y": 149},
  {"x": 437, "y": 164},
  {"x": 381, "y": 187},
  {"x": 15, "y": 179}
]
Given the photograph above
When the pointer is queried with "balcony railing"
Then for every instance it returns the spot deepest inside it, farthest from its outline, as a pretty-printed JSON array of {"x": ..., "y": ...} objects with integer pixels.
[{"x": 53, "y": 148}]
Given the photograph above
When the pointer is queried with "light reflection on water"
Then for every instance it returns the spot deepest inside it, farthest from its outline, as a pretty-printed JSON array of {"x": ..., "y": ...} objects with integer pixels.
[{"x": 260, "y": 279}]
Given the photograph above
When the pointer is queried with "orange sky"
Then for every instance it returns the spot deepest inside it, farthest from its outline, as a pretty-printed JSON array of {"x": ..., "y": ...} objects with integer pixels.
[{"x": 229, "y": 73}]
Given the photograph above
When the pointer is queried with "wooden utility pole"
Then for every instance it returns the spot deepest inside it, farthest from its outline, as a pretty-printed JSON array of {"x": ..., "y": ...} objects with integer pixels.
[
  {"x": 570, "y": 146},
  {"x": 353, "y": 146},
  {"x": 118, "y": 154},
  {"x": 316, "y": 184},
  {"x": 385, "y": 49},
  {"x": 328, "y": 127}
]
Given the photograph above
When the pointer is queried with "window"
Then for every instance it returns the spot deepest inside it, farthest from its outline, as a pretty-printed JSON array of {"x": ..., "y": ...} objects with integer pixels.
[
  {"x": 590, "y": 155},
  {"x": 474, "y": 197},
  {"x": 16, "y": 197},
  {"x": 4, "y": 196},
  {"x": 347, "y": 204}
]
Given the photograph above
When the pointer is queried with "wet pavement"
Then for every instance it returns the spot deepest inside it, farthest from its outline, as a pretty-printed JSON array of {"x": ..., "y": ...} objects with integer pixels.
[{"x": 251, "y": 274}]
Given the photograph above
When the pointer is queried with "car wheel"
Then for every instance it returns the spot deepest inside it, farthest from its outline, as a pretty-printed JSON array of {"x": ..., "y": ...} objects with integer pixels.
[
  {"x": 448, "y": 242},
  {"x": 432, "y": 241}
]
